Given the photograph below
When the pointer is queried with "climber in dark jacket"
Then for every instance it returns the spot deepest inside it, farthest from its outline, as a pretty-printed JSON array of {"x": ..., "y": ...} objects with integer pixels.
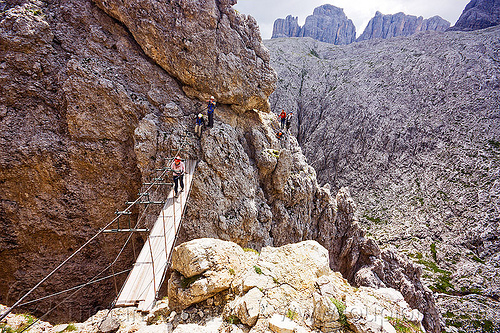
[
  {"x": 199, "y": 123},
  {"x": 210, "y": 111}
]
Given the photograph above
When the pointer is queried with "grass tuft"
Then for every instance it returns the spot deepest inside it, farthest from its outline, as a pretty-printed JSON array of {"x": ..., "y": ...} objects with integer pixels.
[
  {"x": 403, "y": 325},
  {"x": 341, "y": 308},
  {"x": 247, "y": 249}
]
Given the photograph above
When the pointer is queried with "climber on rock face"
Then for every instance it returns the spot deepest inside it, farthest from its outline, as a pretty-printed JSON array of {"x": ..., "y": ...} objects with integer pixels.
[
  {"x": 279, "y": 134},
  {"x": 282, "y": 117},
  {"x": 210, "y": 111},
  {"x": 178, "y": 170},
  {"x": 199, "y": 123}
]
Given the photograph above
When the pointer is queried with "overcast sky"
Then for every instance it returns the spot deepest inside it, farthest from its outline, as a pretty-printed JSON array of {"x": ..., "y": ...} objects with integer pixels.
[{"x": 359, "y": 11}]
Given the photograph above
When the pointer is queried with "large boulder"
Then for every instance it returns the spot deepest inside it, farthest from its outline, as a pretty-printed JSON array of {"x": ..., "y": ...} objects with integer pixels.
[
  {"x": 202, "y": 268},
  {"x": 299, "y": 265}
]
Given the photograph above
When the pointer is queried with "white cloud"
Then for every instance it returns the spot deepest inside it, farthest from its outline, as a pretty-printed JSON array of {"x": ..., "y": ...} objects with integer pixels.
[{"x": 359, "y": 11}]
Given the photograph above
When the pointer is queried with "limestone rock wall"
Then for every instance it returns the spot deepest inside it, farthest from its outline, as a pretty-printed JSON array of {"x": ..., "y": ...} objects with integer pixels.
[
  {"x": 329, "y": 24},
  {"x": 86, "y": 114},
  {"x": 388, "y": 26},
  {"x": 287, "y": 27},
  {"x": 206, "y": 45},
  {"x": 478, "y": 14}
]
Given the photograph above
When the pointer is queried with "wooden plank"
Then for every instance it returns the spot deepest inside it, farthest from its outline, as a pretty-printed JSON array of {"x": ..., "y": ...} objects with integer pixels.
[{"x": 145, "y": 279}]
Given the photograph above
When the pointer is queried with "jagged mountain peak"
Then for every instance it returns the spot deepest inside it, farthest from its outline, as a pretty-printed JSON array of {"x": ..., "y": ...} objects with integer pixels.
[
  {"x": 400, "y": 24},
  {"x": 327, "y": 23}
]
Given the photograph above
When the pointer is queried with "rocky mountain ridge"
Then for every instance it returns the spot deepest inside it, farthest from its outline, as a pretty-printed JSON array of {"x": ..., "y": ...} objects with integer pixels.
[
  {"x": 412, "y": 125},
  {"x": 92, "y": 103}
]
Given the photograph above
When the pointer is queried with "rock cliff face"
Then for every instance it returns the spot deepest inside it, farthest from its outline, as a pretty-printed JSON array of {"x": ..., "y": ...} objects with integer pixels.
[
  {"x": 478, "y": 14},
  {"x": 328, "y": 24},
  {"x": 412, "y": 125},
  {"x": 94, "y": 97},
  {"x": 388, "y": 26},
  {"x": 287, "y": 27},
  {"x": 198, "y": 43},
  {"x": 85, "y": 114}
]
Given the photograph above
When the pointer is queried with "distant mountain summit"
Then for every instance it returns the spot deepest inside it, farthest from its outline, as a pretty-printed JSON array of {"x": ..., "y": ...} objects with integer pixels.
[
  {"x": 400, "y": 24},
  {"x": 327, "y": 24},
  {"x": 479, "y": 14}
]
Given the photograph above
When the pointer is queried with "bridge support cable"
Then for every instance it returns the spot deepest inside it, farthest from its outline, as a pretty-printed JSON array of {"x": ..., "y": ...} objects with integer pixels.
[
  {"x": 126, "y": 211},
  {"x": 91, "y": 281},
  {"x": 75, "y": 287}
]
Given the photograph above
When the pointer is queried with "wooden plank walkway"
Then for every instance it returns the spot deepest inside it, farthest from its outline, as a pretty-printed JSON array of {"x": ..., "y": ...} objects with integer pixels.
[{"x": 145, "y": 279}]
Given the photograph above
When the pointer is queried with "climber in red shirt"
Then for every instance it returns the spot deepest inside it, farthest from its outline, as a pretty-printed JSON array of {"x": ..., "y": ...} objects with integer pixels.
[
  {"x": 178, "y": 170},
  {"x": 282, "y": 117}
]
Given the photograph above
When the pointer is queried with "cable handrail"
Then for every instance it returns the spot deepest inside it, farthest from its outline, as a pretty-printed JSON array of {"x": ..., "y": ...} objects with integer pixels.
[{"x": 100, "y": 231}]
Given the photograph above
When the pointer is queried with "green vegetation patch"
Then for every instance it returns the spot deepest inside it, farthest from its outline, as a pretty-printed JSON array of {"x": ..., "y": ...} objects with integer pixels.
[
  {"x": 443, "y": 284},
  {"x": 477, "y": 259},
  {"x": 4, "y": 328},
  {"x": 70, "y": 328},
  {"x": 404, "y": 325},
  {"x": 247, "y": 249},
  {"x": 454, "y": 323},
  {"x": 468, "y": 291},
  {"x": 314, "y": 53},
  {"x": 375, "y": 220},
  {"x": 449, "y": 314},
  {"x": 417, "y": 255},
  {"x": 258, "y": 270},
  {"x": 35, "y": 11},
  {"x": 291, "y": 314},
  {"x": 233, "y": 320},
  {"x": 341, "y": 308},
  {"x": 485, "y": 325},
  {"x": 433, "y": 251},
  {"x": 494, "y": 144}
]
